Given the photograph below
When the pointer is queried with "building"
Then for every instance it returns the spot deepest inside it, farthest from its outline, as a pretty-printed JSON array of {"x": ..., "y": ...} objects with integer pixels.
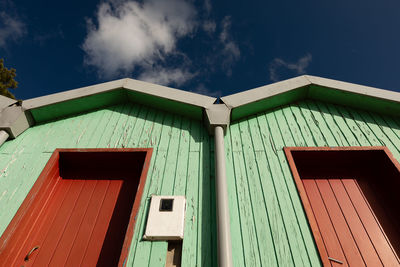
[{"x": 303, "y": 172}]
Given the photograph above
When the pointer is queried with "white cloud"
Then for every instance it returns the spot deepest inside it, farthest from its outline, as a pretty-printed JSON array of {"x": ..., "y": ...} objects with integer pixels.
[
  {"x": 230, "y": 50},
  {"x": 11, "y": 29},
  {"x": 166, "y": 76},
  {"x": 128, "y": 37},
  {"x": 132, "y": 36},
  {"x": 207, "y": 6},
  {"x": 209, "y": 26},
  {"x": 298, "y": 68}
]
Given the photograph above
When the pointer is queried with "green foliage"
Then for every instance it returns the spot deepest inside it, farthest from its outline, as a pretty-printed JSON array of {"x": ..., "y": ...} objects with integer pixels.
[{"x": 7, "y": 80}]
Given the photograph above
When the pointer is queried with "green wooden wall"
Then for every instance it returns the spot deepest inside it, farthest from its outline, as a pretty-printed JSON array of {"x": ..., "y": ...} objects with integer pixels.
[
  {"x": 268, "y": 224},
  {"x": 181, "y": 165}
]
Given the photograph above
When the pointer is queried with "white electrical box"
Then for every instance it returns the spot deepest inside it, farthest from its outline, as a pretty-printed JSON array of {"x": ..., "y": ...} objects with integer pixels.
[{"x": 166, "y": 218}]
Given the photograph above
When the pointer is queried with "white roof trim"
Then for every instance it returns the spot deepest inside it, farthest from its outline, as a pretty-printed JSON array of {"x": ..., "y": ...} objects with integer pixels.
[
  {"x": 6, "y": 101},
  {"x": 169, "y": 93},
  {"x": 355, "y": 88},
  {"x": 267, "y": 91},
  {"x": 128, "y": 84},
  {"x": 264, "y": 92}
]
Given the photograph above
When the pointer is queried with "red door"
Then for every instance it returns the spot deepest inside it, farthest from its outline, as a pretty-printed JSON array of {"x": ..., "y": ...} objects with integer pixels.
[
  {"x": 350, "y": 231},
  {"x": 83, "y": 213},
  {"x": 350, "y": 196}
]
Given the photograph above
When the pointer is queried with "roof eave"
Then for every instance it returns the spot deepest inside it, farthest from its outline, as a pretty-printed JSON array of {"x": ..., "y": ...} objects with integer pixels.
[
  {"x": 285, "y": 92},
  {"x": 109, "y": 93}
]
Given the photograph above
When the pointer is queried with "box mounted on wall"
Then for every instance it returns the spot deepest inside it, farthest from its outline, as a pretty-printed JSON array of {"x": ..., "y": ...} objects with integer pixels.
[{"x": 166, "y": 218}]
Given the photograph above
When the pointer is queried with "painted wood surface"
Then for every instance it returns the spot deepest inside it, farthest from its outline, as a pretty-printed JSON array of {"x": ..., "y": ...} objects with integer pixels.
[
  {"x": 180, "y": 165},
  {"x": 268, "y": 224},
  {"x": 349, "y": 228}
]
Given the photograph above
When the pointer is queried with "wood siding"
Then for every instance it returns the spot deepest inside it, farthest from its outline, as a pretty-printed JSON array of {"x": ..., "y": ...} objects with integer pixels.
[
  {"x": 268, "y": 224},
  {"x": 180, "y": 165},
  {"x": 350, "y": 230}
]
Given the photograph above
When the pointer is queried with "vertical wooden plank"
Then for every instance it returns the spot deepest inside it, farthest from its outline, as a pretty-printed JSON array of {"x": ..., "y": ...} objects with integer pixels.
[
  {"x": 150, "y": 136},
  {"x": 370, "y": 223},
  {"x": 329, "y": 236},
  {"x": 308, "y": 136},
  {"x": 287, "y": 139},
  {"x": 392, "y": 126},
  {"x": 67, "y": 132},
  {"x": 356, "y": 227},
  {"x": 354, "y": 127},
  {"x": 285, "y": 114},
  {"x": 305, "y": 116},
  {"x": 204, "y": 253},
  {"x": 107, "y": 132},
  {"x": 45, "y": 133},
  {"x": 133, "y": 137},
  {"x": 233, "y": 199},
  {"x": 94, "y": 121},
  {"x": 152, "y": 130},
  {"x": 57, "y": 228},
  {"x": 278, "y": 161},
  {"x": 103, "y": 218},
  {"x": 250, "y": 246},
  {"x": 80, "y": 129},
  {"x": 390, "y": 121},
  {"x": 77, "y": 251},
  {"x": 130, "y": 125},
  {"x": 92, "y": 138},
  {"x": 189, "y": 248},
  {"x": 163, "y": 140},
  {"x": 303, "y": 137},
  {"x": 380, "y": 130},
  {"x": 266, "y": 248},
  {"x": 159, "y": 249},
  {"x": 329, "y": 109},
  {"x": 327, "y": 123},
  {"x": 140, "y": 250},
  {"x": 312, "y": 113},
  {"x": 276, "y": 228},
  {"x": 183, "y": 158},
  {"x": 364, "y": 127},
  {"x": 120, "y": 126},
  {"x": 172, "y": 157},
  {"x": 68, "y": 237},
  {"x": 135, "y": 255},
  {"x": 189, "y": 255},
  {"x": 340, "y": 225}
]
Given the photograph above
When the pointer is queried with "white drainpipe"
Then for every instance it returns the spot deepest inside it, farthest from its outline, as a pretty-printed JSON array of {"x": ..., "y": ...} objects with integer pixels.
[
  {"x": 3, "y": 136},
  {"x": 223, "y": 221}
]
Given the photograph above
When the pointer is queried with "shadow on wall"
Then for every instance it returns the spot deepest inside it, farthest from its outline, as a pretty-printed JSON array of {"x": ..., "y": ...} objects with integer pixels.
[
  {"x": 208, "y": 227},
  {"x": 150, "y": 114},
  {"x": 350, "y": 113}
]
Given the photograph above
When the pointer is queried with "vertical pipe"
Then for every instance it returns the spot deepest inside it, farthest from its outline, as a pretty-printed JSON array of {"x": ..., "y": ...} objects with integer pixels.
[
  {"x": 223, "y": 221},
  {"x": 3, "y": 136}
]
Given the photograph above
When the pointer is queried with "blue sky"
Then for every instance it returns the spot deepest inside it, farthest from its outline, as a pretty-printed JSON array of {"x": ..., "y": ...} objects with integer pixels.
[{"x": 211, "y": 47}]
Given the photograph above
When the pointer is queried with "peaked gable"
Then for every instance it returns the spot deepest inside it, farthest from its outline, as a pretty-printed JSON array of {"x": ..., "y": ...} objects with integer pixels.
[
  {"x": 310, "y": 87},
  {"x": 125, "y": 90}
]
